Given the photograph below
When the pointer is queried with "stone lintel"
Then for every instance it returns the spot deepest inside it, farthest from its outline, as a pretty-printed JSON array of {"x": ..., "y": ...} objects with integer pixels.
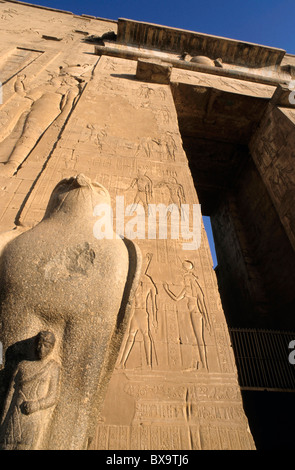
[
  {"x": 115, "y": 51},
  {"x": 179, "y": 41}
]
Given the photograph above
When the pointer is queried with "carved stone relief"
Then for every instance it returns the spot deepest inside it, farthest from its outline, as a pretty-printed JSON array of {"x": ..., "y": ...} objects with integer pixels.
[
  {"x": 144, "y": 190},
  {"x": 272, "y": 151},
  {"x": 144, "y": 318},
  {"x": 196, "y": 305},
  {"x": 55, "y": 99},
  {"x": 15, "y": 61}
]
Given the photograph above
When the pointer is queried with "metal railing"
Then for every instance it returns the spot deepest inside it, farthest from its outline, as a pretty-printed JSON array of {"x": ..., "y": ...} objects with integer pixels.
[{"x": 262, "y": 359}]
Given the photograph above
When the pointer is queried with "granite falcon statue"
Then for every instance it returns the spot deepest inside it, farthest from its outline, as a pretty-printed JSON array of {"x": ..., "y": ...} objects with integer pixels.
[{"x": 58, "y": 277}]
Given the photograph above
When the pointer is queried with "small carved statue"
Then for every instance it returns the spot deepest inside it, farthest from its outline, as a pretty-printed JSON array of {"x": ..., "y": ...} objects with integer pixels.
[{"x": 32, "y": 394}]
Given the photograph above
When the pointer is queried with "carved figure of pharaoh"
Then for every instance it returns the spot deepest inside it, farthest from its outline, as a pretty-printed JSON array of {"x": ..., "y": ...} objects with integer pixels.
[{"x": 59, "y": 279}]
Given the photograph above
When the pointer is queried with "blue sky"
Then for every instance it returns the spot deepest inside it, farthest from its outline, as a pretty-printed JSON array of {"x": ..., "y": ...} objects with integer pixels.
[{"x": 266, "y": 22}]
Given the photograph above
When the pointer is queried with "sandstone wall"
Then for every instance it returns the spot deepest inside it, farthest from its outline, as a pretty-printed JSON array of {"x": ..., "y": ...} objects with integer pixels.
[{"x": 68, "y": 110}]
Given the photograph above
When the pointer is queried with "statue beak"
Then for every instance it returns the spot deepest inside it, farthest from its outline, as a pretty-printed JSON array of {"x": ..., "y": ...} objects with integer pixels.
[{"x": 82, "y": 180}]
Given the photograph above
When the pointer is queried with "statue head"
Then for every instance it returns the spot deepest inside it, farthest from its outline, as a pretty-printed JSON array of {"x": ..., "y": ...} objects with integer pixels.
[
  {"x": 45, "y": 342},
  {"x": 76, "y": 196}
]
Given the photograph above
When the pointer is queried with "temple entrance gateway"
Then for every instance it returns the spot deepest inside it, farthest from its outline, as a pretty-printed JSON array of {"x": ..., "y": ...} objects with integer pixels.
[{"x": 159, "y": 117}]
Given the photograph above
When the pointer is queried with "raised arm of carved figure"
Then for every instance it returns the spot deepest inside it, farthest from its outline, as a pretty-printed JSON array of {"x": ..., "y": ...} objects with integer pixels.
[
  {"x": 153, "y": 294},
  {"x": 202, "y": 304},
  {"x": 173, "y": 296}
]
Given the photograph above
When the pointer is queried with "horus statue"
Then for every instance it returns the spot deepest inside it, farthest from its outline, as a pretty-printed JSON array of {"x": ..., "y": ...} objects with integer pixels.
[{"x": 65, "y": 301}]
